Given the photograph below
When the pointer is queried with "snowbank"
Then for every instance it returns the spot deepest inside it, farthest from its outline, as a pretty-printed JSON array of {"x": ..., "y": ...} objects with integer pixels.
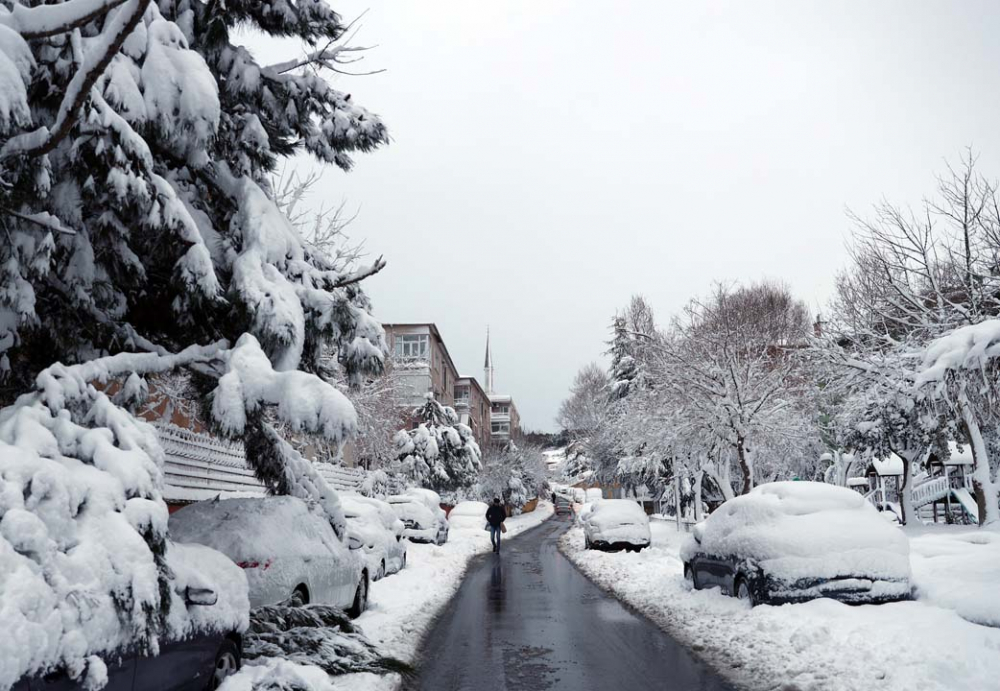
[
  {"x": 820, "y": 645},
  {"x": 804, "y": 530},
  {"x": 958, "y": 567}
]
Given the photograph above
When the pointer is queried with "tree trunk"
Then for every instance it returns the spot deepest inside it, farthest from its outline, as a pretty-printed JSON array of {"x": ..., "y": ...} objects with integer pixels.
[
  {"x": 741, "y": 455},
  {"x": 697, "y": 495},
  {"x": 982, "y": 482}
]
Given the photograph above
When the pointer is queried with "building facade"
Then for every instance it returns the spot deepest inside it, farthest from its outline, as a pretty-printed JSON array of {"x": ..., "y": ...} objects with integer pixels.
[
  {"x": 422, "y": 363},
  {"x": 473, "y": 408}
]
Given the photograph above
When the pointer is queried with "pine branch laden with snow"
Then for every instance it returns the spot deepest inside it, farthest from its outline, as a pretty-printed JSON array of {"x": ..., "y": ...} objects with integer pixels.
[
  {"x": 440, "y": 453},
  {"x": 167, "y": 149}
]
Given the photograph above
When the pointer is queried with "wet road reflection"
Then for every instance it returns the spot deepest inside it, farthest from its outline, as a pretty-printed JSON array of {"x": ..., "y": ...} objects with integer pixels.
[{"x": 527, "y": 619}]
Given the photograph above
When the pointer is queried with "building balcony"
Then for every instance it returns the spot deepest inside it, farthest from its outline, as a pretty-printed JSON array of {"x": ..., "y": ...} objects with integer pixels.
[{"x": 500, "y": 417}]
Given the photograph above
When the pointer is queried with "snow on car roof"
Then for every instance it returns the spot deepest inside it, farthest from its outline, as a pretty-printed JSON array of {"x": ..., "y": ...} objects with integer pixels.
[
  {"x": 617, "y": 511},
  {"x": 251, "y": 528}
]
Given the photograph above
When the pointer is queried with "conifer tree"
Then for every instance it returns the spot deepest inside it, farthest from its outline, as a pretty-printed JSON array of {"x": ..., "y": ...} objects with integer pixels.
[{"x": 440, "y": 453}]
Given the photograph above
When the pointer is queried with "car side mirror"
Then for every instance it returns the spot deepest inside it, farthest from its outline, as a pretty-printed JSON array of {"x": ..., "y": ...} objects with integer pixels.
[{"x": 200, "y": 596}]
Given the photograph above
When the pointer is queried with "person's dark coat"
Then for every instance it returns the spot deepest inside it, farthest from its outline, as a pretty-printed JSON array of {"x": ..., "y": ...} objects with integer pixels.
[{"x": 495, "y": 515}]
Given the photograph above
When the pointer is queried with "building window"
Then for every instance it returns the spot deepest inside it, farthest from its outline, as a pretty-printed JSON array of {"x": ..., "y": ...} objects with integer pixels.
[
  {"x": 501, "y": 409},
  {"x": 500, "y": 428},
  {"x": 412, "y": 346}
]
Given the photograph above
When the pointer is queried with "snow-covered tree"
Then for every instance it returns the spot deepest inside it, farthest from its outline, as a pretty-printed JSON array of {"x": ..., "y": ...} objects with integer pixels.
[
  {"x": 732, "y": 366},
  {"x": 440, "y": 453},
  {"x": 512, "y": 473},
  {"x": 136, "y": 145}
]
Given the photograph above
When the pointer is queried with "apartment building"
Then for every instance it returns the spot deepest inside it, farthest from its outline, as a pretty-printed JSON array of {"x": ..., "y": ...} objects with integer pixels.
[
  {"x": 473, "y": 408},
  {"x": 422, "y": 363}
]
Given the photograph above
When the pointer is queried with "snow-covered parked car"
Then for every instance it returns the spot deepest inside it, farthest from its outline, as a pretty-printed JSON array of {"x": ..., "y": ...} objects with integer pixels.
[
  {"x": 383, "y": 547},
  {"x": 432, "y": 500},
  {"x": 422, "y": 524},
  {"x": 468, "y": 515},
  {"x": 288, "y": 550},
  {"x": 615, "y": 524},
  {"x": 796, "y": 541}
]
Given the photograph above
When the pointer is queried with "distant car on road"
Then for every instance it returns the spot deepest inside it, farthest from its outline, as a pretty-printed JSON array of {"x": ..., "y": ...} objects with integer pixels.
[
  {"x": 468, "y": 515},
  {"x": 795, "y": 541},
  {"x": 615, "y": 524},
  {"x": 422, "y": 524},
  {"x": 383, "y": 547},
  {"x": 288, "y": 550},
  {"x": 563, "y": 506}
]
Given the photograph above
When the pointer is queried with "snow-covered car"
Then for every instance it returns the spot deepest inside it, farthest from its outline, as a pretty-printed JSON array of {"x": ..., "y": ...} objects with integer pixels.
[
  {"x": 468, "y": 515},
  {"x": 796, "y": 541},
  {"x": 615, "y": 524},
  {"x": 384, "y": 549},
  {"x": 288, "y": 550},
  {"x": 421, "y": 524},
  {"x": 432, "y": 500},
  {"x": 214, "y": 593}
]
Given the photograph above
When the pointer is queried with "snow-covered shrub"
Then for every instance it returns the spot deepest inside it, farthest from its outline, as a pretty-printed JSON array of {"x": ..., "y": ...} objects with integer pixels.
[
  {"x": 85, "y": 563},
  {"x": 440, "y": 453}
]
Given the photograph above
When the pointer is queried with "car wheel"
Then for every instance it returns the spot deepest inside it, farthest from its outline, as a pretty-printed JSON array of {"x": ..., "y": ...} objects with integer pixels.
[
  {"x": 227, "y": 663},
  {"x": 743, "y": 591},
  {"x": 689, "y": 576},
  {"x": 381, "y": 571},
  {"x": 300, "y": 596},
  {"x": 360, "y": 603}
]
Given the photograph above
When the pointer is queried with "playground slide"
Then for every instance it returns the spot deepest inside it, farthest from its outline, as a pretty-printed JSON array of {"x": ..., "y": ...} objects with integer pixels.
[{"x": 968, "y": 503}]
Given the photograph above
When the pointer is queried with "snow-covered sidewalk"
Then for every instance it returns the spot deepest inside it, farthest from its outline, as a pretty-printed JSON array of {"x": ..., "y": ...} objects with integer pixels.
[
  {"x": 819, "y": 645},
  {"x": 401, "y": 608}
]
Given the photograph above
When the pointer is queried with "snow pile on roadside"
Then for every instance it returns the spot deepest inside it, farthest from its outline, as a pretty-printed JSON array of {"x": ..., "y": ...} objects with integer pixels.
[
  {"x": 821, "y": 645},
  {"x": 805, "y": 530},
  {"x": 403, "y": 606},
  {"x": 958, "y": 567}
]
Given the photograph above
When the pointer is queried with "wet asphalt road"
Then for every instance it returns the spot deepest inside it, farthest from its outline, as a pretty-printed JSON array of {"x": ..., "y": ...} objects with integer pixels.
[{"x": 528, "y": 619}]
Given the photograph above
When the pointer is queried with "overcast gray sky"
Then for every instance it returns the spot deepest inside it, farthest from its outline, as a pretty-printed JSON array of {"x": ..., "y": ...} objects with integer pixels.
[{"x": 551, "y": 158}]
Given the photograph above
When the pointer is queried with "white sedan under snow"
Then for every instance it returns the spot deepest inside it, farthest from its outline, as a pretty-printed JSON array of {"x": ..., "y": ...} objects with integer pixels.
[
  {"x": 288, "y": 550},
  {"x": 384, "y": 549},
  {"x": 794, "y": 541},
  {"x": 615, "y": 524}
]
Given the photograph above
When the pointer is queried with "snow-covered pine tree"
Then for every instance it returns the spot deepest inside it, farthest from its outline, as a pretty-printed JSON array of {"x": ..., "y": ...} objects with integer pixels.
[
  {"x": 141, "y": 236},
  {"x": 440, "y": 453},
  {"x": 623, "y": 365}
]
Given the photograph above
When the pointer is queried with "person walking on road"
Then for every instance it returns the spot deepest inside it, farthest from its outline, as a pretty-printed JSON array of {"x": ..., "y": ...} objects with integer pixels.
[{"x": 495, "y": 516}]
